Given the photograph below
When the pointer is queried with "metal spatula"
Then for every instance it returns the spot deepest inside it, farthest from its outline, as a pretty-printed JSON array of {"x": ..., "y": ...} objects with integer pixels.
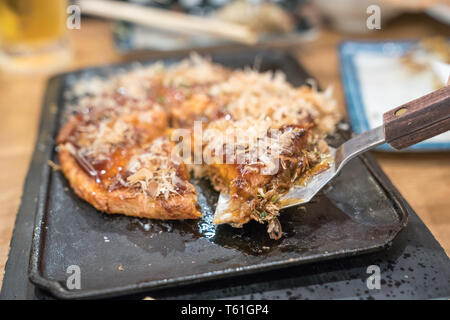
[{"x": 403, "y": 126}]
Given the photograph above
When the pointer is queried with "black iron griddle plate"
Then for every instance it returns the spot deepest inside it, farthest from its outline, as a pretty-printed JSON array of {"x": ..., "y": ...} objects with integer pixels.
[{"x": 356, "y": 213}]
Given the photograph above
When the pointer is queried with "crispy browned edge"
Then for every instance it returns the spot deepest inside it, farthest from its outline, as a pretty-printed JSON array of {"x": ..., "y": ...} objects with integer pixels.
[{"x": 125, "y": 201}]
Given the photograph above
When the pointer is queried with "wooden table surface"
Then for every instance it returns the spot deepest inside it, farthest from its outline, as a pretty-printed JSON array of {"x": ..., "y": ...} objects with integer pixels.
[{"x": 423, "y": 179}]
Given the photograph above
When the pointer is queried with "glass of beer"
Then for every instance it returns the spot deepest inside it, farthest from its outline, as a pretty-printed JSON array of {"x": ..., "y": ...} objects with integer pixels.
[{"x": 33, "y": 34}]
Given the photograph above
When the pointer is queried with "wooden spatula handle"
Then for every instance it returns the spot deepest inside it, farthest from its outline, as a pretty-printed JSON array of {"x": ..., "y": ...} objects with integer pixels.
[{"x": 418, "y": 120}]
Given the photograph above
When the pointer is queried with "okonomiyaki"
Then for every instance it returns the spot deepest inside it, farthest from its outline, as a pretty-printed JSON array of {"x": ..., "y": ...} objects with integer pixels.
[{"x": 133, "y": 141}]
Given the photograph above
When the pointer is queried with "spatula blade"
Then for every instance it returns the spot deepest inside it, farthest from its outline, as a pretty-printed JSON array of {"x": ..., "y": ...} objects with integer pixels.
[{"x": 299, "y": 194}]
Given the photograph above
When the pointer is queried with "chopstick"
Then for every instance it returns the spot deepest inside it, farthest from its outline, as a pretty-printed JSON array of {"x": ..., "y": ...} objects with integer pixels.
[{"x": 168, "y": 20}]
